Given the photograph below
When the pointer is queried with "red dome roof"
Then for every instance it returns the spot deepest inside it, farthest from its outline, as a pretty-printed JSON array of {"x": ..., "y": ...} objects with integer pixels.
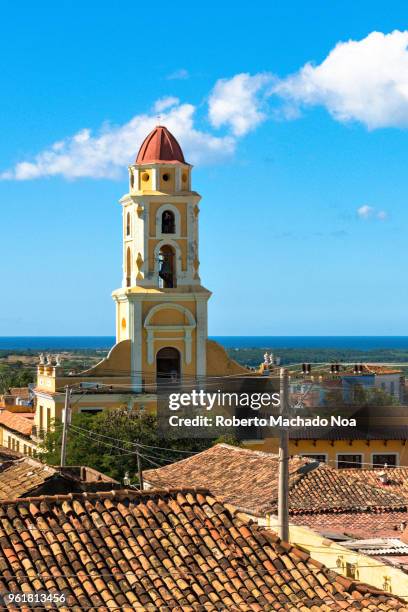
[{"x": 160, "y": 146}]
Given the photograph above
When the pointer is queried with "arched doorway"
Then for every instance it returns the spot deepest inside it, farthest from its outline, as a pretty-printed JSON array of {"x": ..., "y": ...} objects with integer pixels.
[
  {"x": 168, "y": 364},
  {"x": 167, "y": 272}
]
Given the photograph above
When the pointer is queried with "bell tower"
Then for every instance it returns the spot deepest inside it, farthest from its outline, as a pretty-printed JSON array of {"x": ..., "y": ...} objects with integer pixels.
[{"x": 162, "y": 306}]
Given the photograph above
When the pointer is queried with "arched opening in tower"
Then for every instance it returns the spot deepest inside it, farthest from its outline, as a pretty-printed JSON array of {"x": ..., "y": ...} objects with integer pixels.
[
  {"x": 128, "y": 267},
  {"x": 168, "y": 364},
  {"x": 168, "y": 224},
  {"x": 167, "y": 268}
]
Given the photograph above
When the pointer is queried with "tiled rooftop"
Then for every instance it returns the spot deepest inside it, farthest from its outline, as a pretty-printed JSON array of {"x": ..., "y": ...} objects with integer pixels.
[
  {"x": 249, "y": 480},
  {"x": 321, "y": 497},
  {"x": 178, "y": 550},
  {"x": 244, "y": 478},
  {"x": 6, "y": 454},
  {"x": 15, "y": 422},
  {"x": 23, "y": 476},
  {"x": 397, "y": 479},
  {"x": 371, "y": 522},
  {"x": 27, "y": 476},
  {"x": 327, "y": 489},
  {"x": 22, "y": 392}
]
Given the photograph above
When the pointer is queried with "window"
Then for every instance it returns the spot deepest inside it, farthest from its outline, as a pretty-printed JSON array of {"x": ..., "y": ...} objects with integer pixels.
[
  {"x": 385, "y": 458},
  {"x": 348, "y": 460},
  {"x": 90, "y": 410},
  {"x": 168, "y": 223},
  {"x": 319, "y": 458},
  {"x": 48, "y": 419},
  {"x": 40, "y": 417},
  {"x": 351, "y": 570},
  {"x": 128, "y": 224},
  {"x": 392, "y": 387}
]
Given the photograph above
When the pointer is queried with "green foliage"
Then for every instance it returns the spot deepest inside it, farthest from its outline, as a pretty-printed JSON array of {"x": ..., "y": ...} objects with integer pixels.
[
  {"x": 108, "y": 441},
  {"x": 228, "y": 439},
  {"x": 16, "y": 376},
  {"x": 362, "y": 397},
  {"x": 254, "y": 356}
]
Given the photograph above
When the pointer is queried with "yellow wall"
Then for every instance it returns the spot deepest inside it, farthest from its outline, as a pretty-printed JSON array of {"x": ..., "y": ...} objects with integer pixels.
[
  {"x": 185, "y": 174},
  {"x": 219, "y": 364},
  {"x": 145, "y": 185},
  {"x": 168, "y": 186},
  {"x": 181, "y": 207},
  {"x": 16, "y": 442},
  {"x": 335, "y": 556},
  {"x": 332, "y": 448}
]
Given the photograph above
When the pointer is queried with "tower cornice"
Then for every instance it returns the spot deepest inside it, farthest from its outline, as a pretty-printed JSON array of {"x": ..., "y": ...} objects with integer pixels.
[{"x": 159, "y": 196}]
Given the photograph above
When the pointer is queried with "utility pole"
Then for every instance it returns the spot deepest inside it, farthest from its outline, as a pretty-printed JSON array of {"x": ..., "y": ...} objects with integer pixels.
[
  {"x": 66, "y": 422},
  {"x": 139, "y": 469},
  {"x": 283, "y": 490}
]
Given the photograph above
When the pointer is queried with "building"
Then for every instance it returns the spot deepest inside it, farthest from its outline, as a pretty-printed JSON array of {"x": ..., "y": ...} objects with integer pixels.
[
  {"x": 315, "y": 389},
  {"x": 328, "y": 508},
  {"x": 16, "y": 399},
  {"x": 345, "y": 502},
  {"x": 346, "y": 447},
  {"x": 17, "y": 431},
  {"x": 180, "y": 550},
  {"x": 161, "y": 306},
  {"x": 246, "y": 479},
  {"x": 27, "y": 477}
]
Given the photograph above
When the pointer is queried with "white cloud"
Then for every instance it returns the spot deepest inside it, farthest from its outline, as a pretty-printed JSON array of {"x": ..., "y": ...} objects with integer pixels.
[
  {"x": 178, "y": 75},
  {"x": 107, "y": 153},
  {"x": 365, "y": 80},
  {"x": 367, "y": 212},
  {"x": 165, "y": 103},
  {"x": 238, "y": 102}
]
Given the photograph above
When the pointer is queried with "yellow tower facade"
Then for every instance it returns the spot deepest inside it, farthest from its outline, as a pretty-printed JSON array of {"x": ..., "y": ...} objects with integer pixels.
[{"x": 162, "y": 306}]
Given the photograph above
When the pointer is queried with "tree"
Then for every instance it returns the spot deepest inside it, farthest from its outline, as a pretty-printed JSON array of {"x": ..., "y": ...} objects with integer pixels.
[
  {"x": 108, "y": 442},
  {"x": 14, "y": 377}
]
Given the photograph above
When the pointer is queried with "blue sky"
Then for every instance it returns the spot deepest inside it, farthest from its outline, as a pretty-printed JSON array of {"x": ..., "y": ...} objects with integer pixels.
[{"x": 300, "y": 152}]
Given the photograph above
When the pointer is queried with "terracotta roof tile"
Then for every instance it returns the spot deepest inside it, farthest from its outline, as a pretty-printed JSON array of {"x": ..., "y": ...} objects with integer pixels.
[
  {"x": 16, "y": 422},
  {"x": 160, "y": 146},
  {"x": 323, "y": 498},
  {"x": 328, "y": 489},
  {"x": 244, "y": 478},
  {"x": 23, "y": 392},
  {"x": 171, "y": 549},
  {"x": 22, "y": 476},
  {"x": 27, "y": 476},
  {"x": 6, "y": 454}
]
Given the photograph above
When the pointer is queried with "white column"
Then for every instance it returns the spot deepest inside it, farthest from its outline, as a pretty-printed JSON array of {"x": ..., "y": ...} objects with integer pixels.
[
  {"x": 135, "y": 330},
  {"x": 150, "y": 346},
  {"x": 155, "y": 178},
  {"x": 177, "y": 182},
  {"x": 201, "y": 333},
  {"x": 187, "y": 344}
]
